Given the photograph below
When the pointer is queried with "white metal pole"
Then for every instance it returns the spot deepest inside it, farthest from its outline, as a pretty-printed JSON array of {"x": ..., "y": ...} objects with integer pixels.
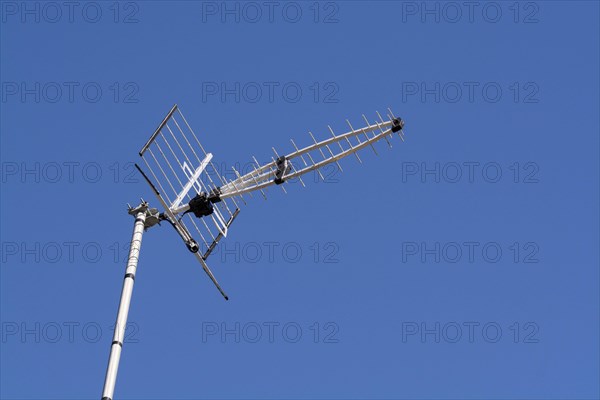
[{"x": 121, "y": 323}]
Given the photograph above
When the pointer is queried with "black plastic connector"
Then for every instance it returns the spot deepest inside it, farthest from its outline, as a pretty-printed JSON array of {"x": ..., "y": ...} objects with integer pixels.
[
  {"x": 283, "y": 167},
  {"x": 192, "y": 246},
  {"x": 215, "y": 195},
  {"x": 397, "y": 124},
  {"x": 201, "y": 206}
]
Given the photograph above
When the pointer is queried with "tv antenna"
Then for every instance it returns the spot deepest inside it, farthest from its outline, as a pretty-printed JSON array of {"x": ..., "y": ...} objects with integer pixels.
[{"x": 201, "y": 205}]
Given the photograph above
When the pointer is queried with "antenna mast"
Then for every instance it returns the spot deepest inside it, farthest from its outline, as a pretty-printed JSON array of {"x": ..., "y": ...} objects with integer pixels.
[{"x": 145, "y": 217}]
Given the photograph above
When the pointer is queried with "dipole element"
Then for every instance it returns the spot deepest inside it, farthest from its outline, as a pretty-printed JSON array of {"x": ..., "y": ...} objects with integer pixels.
[{"x": 140, "y": 212}]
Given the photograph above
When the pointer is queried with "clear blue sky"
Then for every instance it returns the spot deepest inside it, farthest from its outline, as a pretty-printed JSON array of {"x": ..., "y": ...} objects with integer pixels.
[{"x": 462, "y": 263}]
